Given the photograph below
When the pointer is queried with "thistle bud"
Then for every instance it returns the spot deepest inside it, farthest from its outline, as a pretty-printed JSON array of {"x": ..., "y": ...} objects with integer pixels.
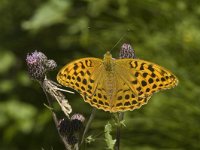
[
  {"x": 126, "y": 51},
  {"x": 50, "y": 65}
]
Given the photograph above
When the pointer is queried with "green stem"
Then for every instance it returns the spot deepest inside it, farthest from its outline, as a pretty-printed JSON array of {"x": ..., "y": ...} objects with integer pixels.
[
  {"x": 88, "y": 124},
  {"x": 67, "y": 146},
  {"x": 119, "y": 118}
]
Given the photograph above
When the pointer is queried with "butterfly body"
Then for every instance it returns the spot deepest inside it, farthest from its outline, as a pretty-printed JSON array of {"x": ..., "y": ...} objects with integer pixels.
[
  {"x": 116, "y": 84},
  {"x": 108, "y": 62}
]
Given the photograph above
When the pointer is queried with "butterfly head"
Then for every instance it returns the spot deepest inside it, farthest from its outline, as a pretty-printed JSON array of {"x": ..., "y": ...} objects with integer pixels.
[{"x": 107, "y": 56}]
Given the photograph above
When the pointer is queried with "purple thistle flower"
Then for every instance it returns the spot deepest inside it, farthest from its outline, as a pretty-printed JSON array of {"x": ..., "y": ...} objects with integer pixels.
[
  {"x": 126, "y": 51},
  {"x": 78, "y": 117},
  {"x": 35, "y": 65},
  {"x": 38, "y": 65}
]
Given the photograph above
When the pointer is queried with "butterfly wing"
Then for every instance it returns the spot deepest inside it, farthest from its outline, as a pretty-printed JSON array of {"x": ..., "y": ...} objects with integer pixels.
[
  {"x": 145, "y": 78},
  {"x": 137, "y": 80},
  {"x": 109, "y": 87},
  {"x": 125, "y": 97},
  {"x": 100, "y": 99},
  {"x": 81, "y": 75}
]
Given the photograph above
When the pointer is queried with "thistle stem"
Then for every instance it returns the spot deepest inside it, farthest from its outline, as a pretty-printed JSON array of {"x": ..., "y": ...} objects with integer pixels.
[
  {"x": 88, "y": 124},
  {"x": 55, "y": 119},
  {"x": 120, "y": 117}
]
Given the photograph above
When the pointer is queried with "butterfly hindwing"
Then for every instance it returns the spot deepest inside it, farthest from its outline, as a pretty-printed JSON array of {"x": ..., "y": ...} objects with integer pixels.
[
  {"x": 126, "y": 98},
  {"x": 100, "y": 98},
  {"x": 113, "y": 94}
]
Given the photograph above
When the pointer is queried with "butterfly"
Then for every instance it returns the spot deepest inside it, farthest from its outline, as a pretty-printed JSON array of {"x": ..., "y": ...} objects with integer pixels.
[{"x": 116, "y": 85}]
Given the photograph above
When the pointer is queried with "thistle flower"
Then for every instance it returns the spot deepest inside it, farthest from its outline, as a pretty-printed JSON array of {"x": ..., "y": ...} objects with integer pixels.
[
  {"x": 69, "y": 127},
  {"x": 35, "y": 63},
  {"x": 64, "y": 126},
  {"x": 126, "y": 51},
  {"x": 77, "y": 122},
  {"x": 78, "y": 117},
  {"x": 72, "y": 139},
  {"x": 38, "y": 65}
]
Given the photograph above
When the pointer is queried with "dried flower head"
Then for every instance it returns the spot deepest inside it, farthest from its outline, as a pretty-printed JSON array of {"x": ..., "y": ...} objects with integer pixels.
[
  {"x": 76, "y": 125},
  {"x": 53, "y": 89},
  {"x": 72, "y": 139},
  {"x": 126, "y": 51},
  {"x": 79, "y": 117},
  {"x": 64, "y": 126},
  {"x": 77, "y": 122}
]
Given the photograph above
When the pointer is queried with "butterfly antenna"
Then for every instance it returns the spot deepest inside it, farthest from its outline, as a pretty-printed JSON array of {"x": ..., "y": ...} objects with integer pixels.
[
  {"x": 101, "y": 45},
  {"x": 125, "y": 34}
]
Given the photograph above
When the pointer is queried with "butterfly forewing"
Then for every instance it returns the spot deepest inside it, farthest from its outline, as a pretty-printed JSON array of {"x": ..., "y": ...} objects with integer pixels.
[
  {"x": 81, "y": 75},
  {"x": 146, "y": 77}
]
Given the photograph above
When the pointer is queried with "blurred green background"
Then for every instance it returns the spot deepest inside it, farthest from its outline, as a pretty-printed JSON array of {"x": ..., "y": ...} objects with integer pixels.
[{"x": 164, "y": 32}]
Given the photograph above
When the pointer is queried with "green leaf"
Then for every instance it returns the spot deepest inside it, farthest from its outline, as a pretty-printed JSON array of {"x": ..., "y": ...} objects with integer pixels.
[
  {"x": 108, "y": 137},
  {"x": 90, "y": 139},
  {"x": 50, "y": 13}
]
